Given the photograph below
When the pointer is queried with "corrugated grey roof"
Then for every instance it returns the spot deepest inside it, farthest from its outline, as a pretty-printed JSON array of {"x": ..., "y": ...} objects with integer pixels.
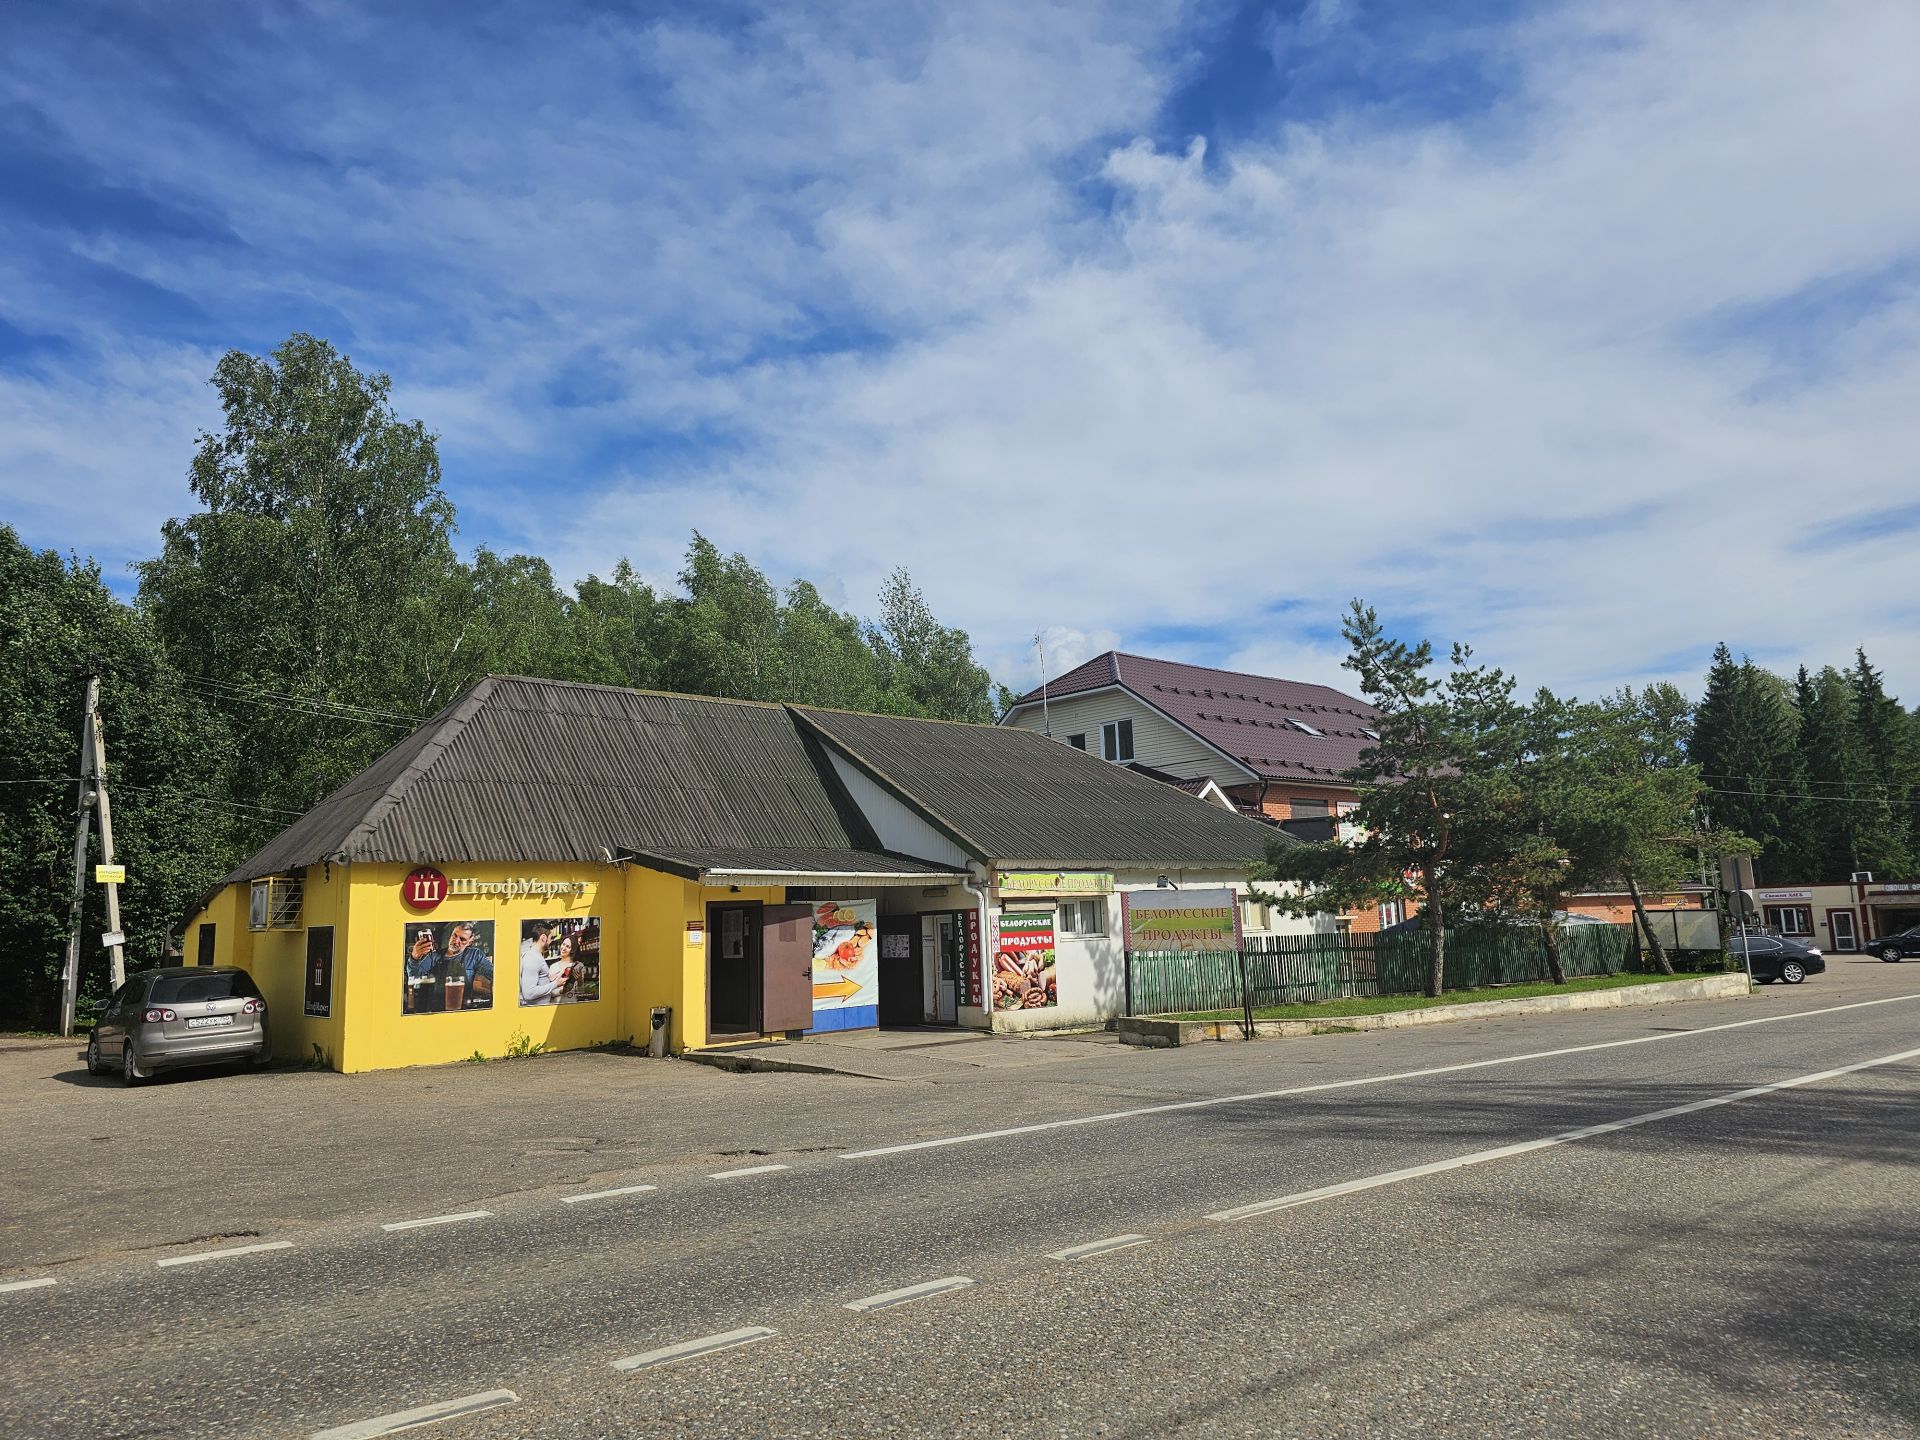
[
  {"x": 546, "y": 770},
  {"x": 1007, "y": 794}
]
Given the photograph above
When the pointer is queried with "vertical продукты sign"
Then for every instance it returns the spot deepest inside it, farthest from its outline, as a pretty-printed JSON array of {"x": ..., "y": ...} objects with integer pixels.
[
  {"x": 846, "y": 965},
  {"x": 1181, "y": 921},
  {"x": 1023, "y": 961}
]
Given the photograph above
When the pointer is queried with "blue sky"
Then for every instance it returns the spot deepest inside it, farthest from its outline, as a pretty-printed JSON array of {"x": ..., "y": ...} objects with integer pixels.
[{"x": 1586, "y": 333}]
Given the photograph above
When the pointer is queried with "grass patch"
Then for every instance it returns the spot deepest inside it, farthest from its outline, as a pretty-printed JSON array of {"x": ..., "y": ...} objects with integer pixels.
[{"x": 1384, "y": 1004}]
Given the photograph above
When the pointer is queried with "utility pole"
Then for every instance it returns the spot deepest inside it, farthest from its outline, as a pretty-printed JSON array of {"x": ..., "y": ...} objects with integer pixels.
[
  {"x": 116, "y": 940},
  {"x": 93, "y": 797},
  {"x": 70, "y": 976}
]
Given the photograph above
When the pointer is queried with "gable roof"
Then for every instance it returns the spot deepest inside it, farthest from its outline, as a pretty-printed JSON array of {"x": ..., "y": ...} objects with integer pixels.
[
  {"x": 526, "y": 770},
  {"x": 1012, "y": 795},
  {"x": 549, "y": 770},
  {"x": 1253, "y": 719}
]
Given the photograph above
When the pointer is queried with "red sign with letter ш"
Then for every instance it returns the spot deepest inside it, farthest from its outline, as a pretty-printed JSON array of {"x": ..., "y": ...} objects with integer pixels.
[{"x": 424, "y": 887}]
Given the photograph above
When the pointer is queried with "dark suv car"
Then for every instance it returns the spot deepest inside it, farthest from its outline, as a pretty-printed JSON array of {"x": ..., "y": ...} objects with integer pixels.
[
  {"x": 1892, "y": 948},
  {"x": 191, "y": 1015}
]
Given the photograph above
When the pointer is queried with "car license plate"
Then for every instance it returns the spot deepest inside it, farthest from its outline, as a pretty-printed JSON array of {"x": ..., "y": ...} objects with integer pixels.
[{"x": 208, "y": 1022}]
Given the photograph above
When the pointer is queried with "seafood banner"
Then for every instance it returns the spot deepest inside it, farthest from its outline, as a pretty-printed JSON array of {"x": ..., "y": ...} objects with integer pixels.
[
  {"x": 1181, "y": 921},
  {"x": 1023, "y": 961},
  {"x": 846, "y": 965}
]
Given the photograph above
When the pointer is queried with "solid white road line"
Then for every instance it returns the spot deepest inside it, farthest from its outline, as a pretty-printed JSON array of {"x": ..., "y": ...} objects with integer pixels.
[
  {"x": 1214, "y": 1100},
  {"x": 606, "y": 1194},
  {"x": 912, "y": 1292},
  {"x": 437, "y": 1220},
  {"x": 1098, "y": 1247},
  {"x": 687, "y": 1349},
  {"x": 28, "y": 1284},
  {"x": 224, "y": 1254},
  {"x": 423, "y": 1415},
  {"x": 1565, "y": 1137},
  {"x": 749, "y": 1170}
]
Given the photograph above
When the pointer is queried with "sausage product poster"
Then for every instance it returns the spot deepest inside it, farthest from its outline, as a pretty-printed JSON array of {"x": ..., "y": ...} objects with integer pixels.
[
  {"x": 1023, "y": 968},
  {"x": 846, "y": 965}
]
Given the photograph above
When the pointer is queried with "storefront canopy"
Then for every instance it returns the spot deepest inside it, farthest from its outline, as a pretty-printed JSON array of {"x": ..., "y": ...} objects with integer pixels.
[{"x": 795, "y": 867}]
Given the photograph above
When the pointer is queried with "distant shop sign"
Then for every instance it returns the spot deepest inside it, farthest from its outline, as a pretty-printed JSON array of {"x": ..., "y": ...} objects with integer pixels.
[{"x": 1056, "y": 882}]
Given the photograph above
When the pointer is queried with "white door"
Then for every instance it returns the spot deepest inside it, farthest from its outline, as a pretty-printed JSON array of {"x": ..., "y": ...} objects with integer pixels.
[
  {"x": 1840, "y": 922},
  {"x": 946, "y": 975}
]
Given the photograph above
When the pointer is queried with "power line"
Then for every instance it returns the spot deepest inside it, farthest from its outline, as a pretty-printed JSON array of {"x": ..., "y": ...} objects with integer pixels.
[
  {"x": 1838, "y": 799},
  {"x": 246, "y": 692},
  {"x": 165, "y": 792}
]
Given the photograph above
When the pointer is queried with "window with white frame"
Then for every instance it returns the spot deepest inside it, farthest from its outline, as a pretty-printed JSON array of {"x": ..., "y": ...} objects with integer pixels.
[
  {"x": 1078, "y": 742},
  {"x": 1116, "y": 740},
  {"x": 1083, "y": 917},
  {"x": 1392, "y": 912},
  {"x": 1255, "y": 916},
  {"x": 1790, "y": 919}
]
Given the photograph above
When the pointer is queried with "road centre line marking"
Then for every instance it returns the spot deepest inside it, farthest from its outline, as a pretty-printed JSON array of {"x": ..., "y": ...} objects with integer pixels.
[
  {"x": 421, "y": 1415},
  {"x": 1098, "y": 1247},
  {"x": 1565, "y": 1137},
  {"x": 606, "y": 1194},
  {"x": 748, "y": 1170},
  {"x": 888, "y": 1299},
  {"x": 1211, "y": 1101},
  {"x": 438, "y": 1220},
  {"x": 225, "y": 1254},
  {"x": 687, "y": 1349},
  {"x": 28, "y": 1284}
]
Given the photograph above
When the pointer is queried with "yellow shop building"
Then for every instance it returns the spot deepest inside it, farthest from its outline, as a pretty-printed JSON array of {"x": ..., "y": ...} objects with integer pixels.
[{"x": 566, "y": 865}]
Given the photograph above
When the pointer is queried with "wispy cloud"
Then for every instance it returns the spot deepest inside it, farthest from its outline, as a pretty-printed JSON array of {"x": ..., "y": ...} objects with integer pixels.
[{"x": 1524, "y": 324}]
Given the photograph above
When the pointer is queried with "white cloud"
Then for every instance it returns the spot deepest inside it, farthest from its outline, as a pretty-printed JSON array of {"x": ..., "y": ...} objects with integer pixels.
[{"x": 1546, "y": 377}]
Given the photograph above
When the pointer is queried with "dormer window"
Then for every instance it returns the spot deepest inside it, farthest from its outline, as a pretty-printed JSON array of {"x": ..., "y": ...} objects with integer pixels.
[
  {"x": 1305, "y": 729},
  {"x": 1116, "y": 740}
]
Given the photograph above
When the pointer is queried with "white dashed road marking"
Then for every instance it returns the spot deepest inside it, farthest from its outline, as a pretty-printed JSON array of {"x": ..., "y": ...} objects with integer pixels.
[
  {"x": 687, "y": 1349},
  {"x": 28, "y": 1284},
  {"x": 606, "y": 1194},
  {"x": 1565, "y": 1137},
  {"x": 224, "y": 1254},
  {"x": 913, "y": 1292},
  {"x": 1213, "y": 1100},
  {"x": 422, "y": 1415},
  {"x": 437, "y": 1220},
  {"x": 1098, "y": 1247},
  {"x": 749, "y": 1170}
]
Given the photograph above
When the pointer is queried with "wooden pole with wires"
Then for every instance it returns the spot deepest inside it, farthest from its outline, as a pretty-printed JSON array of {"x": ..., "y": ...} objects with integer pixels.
[{"x": 116, "y": 941}]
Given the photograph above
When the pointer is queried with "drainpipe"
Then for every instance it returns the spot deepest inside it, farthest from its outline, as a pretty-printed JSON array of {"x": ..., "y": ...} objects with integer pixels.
[{"x": 977, "y": 889}]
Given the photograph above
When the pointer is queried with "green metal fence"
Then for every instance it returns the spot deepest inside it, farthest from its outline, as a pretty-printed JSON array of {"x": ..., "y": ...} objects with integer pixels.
[{"x": 1303, "y": 969}]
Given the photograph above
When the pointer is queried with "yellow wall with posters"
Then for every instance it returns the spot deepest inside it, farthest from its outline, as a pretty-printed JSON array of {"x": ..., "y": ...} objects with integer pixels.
[
  {"x": 369, "y": 970},
  {"x": 648, "y": 957}
]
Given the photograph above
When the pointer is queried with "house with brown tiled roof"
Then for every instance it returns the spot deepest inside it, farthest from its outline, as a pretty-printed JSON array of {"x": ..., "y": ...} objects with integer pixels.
[{"x": 1276, "y": 748}]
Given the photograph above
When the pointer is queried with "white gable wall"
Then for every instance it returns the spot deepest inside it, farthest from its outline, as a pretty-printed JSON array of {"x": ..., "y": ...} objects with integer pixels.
[
  {"x": 898, "y": 828},
  {"x": 1157, "y": 741}
]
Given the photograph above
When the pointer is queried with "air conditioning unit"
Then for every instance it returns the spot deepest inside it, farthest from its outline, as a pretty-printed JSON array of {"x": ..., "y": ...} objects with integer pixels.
[
  {"x": 275, "y": 903},
  {"x": 1863, "y": 877}
]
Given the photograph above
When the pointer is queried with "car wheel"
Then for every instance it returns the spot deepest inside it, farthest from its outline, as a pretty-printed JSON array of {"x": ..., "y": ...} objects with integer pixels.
[
  {"x": 94, "y": 1067},
  {"x": 129, "y": 1067},
  {"x": 1793, "y": 972},
  {"x": 1890, "y": 955}
]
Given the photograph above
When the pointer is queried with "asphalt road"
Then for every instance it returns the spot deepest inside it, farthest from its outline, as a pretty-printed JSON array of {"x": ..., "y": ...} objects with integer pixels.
[{"x": 1745, "y": 1266}]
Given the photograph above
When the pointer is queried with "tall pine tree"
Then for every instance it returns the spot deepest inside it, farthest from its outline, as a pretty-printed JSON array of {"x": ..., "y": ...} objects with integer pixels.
[{"x": 1743, "y": 744}]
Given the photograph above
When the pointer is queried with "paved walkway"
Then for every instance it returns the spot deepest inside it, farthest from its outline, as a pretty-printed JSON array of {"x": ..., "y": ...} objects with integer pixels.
[{"x": 920, "y": 1053}]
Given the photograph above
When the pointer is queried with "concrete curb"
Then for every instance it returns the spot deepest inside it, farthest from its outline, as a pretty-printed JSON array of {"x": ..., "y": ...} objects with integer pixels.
[{"x": 1147, "y": 1031}]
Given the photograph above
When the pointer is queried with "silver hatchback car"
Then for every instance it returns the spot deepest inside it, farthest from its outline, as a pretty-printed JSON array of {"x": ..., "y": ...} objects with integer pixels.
[{"x": 192, "y": 1015}]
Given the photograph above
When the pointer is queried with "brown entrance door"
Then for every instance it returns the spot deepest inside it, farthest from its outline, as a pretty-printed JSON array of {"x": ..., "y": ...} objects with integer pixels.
[{"x": 786, "y": 968}]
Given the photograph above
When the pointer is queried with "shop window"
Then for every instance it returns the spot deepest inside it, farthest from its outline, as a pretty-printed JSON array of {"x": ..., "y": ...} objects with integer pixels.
[
  {"x": 1116, "y": 740},
  {"x": 275, "y": 903},
  {"x": 1083, "y": 917},
  {"x": 1078, "y": 742},
  {"x": 1255, "y": 916},
  {"x": 1790, "y": 919}
]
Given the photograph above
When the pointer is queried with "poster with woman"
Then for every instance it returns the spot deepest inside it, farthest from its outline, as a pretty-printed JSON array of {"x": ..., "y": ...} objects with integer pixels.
[
  {"x": 448, "y": 965},
  {"x": 846, "y": 965},
  {"x": 560, "y": 961}
]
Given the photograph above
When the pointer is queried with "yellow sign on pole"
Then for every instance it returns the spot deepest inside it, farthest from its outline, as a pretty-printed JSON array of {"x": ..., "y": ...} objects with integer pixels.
[{"x": 109, "y": 874}]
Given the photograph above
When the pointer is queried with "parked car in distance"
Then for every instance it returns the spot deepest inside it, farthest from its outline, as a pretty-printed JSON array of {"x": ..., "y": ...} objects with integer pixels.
[
  {"x": 1894, "y": 948},
  {"x": 1775, "y": 957},
  {"x": 178, "y": 1016}
]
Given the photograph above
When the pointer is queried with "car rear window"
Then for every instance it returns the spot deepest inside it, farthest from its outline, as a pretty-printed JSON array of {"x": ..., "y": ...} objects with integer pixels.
[{"x": 185, "y": 989}]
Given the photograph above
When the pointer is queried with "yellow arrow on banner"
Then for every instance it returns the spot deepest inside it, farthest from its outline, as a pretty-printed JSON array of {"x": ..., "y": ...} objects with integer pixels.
[{"x": 835, "y": 990}]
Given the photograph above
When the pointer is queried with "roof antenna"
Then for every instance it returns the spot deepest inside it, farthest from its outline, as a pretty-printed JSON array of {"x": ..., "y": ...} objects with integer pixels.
[{"x": 1040, "y": 648}]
